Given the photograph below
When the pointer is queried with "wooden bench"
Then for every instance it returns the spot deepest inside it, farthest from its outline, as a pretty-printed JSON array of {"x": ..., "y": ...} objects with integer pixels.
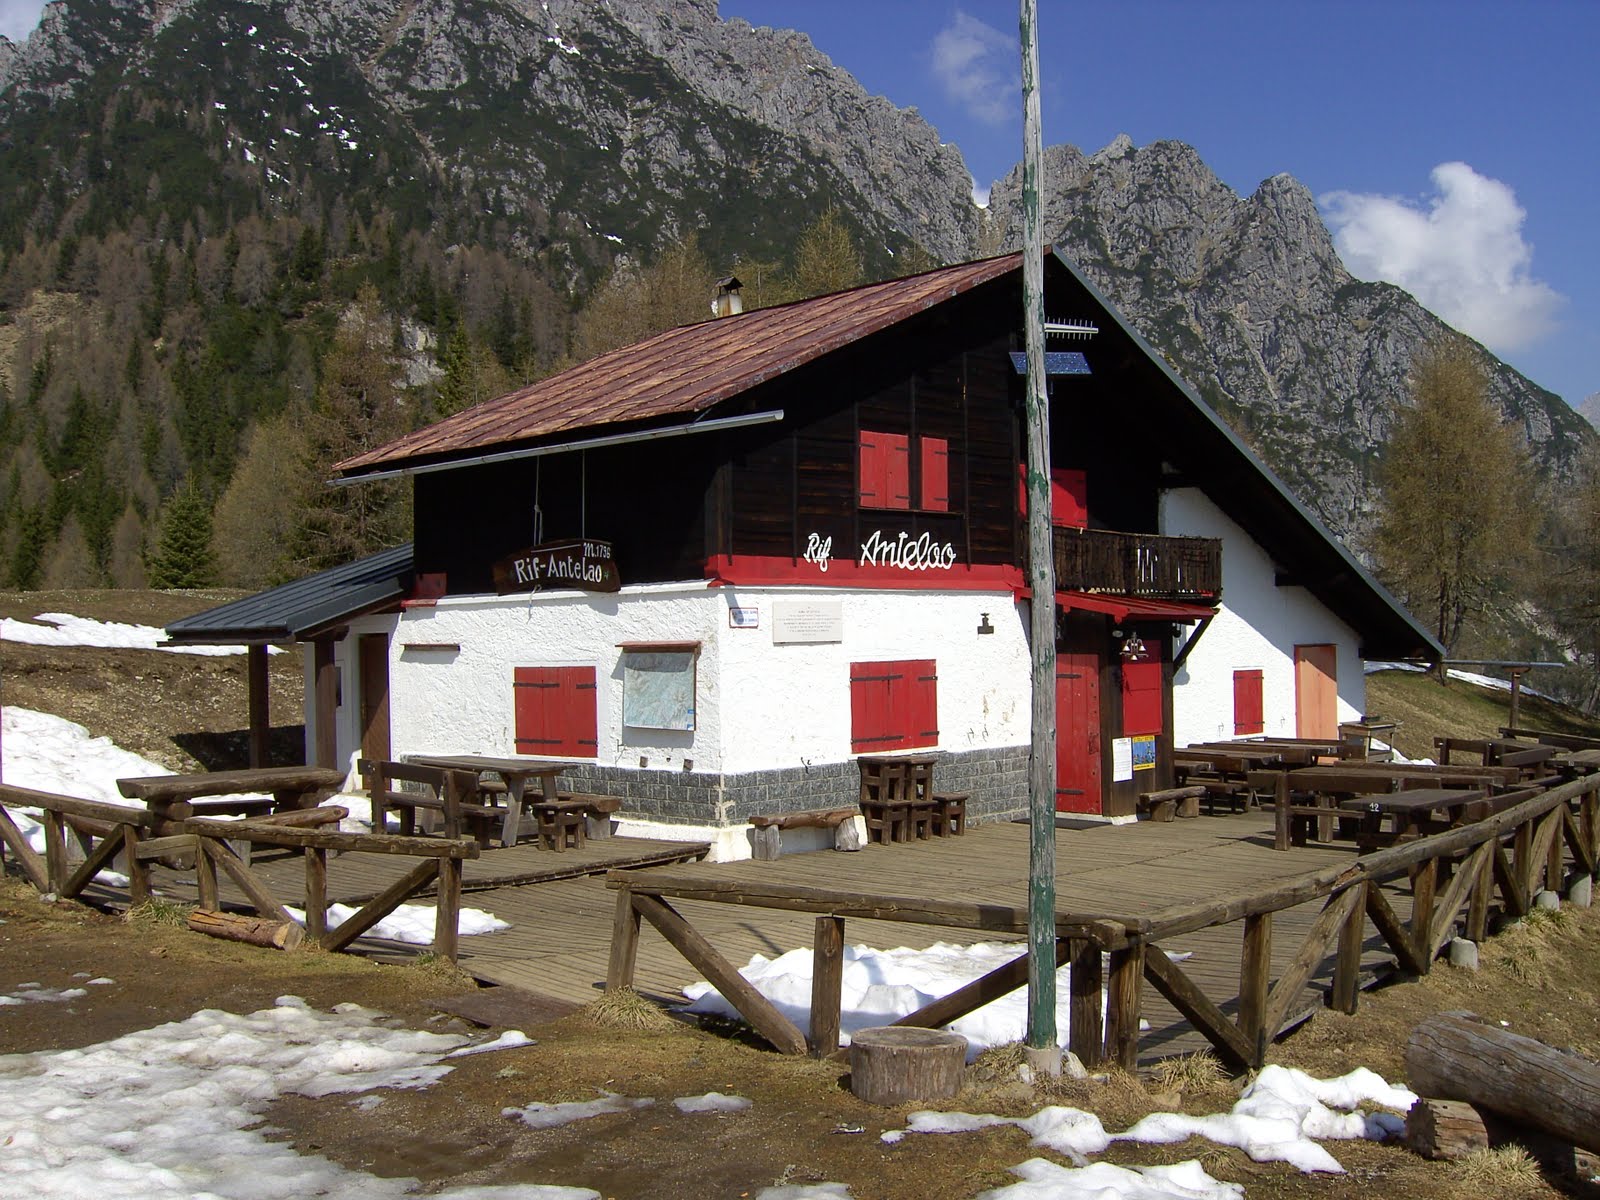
[
  {"x": 455, "y": 795},
  {"x": 767, "y": 829},
  {"x": 1172, "y": 802},
  {"x": 597, "y": 811}
]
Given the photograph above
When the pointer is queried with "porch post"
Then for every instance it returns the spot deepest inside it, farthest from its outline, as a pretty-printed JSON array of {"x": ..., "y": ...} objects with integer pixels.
[
  {"x": 260, "y": 717},
  {"x": 326, "y": 701}
]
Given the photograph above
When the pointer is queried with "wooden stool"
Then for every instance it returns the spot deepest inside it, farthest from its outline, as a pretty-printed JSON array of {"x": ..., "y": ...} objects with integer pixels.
[
  {"x": 559, "y": 826},
  {"x": 919, "y": 820},
  {"x": 949, "y": 814}
]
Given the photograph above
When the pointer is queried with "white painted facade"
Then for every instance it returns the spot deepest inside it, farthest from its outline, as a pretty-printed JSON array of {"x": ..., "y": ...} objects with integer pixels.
[
  {"x": 1257, "y": 627},
  {"x": 759, "y": 704}
]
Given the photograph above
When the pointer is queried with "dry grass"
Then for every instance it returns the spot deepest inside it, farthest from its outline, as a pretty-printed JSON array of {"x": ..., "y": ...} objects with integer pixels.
[
  {"x": 1497, "y": 1171},
  {"x": 158, "y": 911},
  {"x": 1197, "y": 1072},
  {"x": 624, "y": 1008}
]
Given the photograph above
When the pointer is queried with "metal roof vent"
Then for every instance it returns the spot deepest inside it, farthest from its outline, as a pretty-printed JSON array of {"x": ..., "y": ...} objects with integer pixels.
[{"x": 727, "y": 302}]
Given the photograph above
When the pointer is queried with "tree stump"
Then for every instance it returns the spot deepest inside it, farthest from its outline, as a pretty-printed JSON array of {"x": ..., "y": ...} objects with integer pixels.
[
  {"x": 1453, "y": 1129},
  {"x": 896, "y": 1064},
  {"x": 254, "y": 931}
]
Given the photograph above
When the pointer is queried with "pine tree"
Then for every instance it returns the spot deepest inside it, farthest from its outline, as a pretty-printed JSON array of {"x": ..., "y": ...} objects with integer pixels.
[
  {"x": 183, "y": 556},
  {"x": 826, "y": 258},
  {"x": 1456, "y": 517}
]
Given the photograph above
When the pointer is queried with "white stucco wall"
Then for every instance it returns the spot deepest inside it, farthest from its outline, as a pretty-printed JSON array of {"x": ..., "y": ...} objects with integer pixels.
[
  {"x": 1257, "y": 627},
  {"x": 759, "y": 705}
]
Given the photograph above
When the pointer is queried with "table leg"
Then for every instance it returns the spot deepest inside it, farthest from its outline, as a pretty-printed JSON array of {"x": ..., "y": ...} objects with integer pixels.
[{"x": 513, "y": 822}]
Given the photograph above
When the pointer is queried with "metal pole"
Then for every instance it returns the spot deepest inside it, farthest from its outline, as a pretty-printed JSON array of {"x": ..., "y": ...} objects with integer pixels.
[{"x": 1044, "y": 1053}]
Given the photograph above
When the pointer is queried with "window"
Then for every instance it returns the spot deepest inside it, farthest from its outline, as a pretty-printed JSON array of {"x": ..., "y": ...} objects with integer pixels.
[
  {"x": 555, "y": 710},
  {"x": 1141, "y": 697},
  {"x": 1069, "y": 496},
  {"x": 893, "y": 705},
  {"x": 1247, "y": 702},
  {"x": 886, "y": 471}
]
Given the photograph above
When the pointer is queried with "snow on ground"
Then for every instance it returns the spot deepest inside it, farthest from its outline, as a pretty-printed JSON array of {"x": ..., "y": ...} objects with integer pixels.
[
  {"x": 1488, "y": 681},
  {"x": 175, "y": 1111},
  {"x": 63, "y": 629},
  {"x": 411, "y": 923},
  {"x": 881, "y": 986},
  {"x": 1275, "y": 1120}
]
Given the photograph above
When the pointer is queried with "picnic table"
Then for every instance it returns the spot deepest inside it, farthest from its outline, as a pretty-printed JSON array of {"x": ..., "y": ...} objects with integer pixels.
[
  {"x": 233, "y": 793},
  {"x": 1290, "y": 750},
  {"x": 516, "y": 773},
  {"x": 1409, "y": 814}
]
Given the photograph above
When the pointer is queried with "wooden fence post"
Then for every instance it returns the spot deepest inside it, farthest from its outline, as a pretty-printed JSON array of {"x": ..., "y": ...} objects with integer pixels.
[
  {"x": 55, "y": 849},
  {"x": 1255, "y": 974},
  {"x": 827, "y": 983},
  {"x": 1125, "y": 996},
  {"x": 138, "y": 869},
  {"x": 447, "y": 921},
  {"x": 1424, "y": 884},
  {"x": 1084, "y": 1034},
  {"x": 316, "y": 893},
  {"x": 1346, "y": 992},
  {"x": 205, "y": 876},
  {"x": 1478, "y": 907},
  {"x": 624, "y": 941},
  {"x": 1280, "y": 818}
]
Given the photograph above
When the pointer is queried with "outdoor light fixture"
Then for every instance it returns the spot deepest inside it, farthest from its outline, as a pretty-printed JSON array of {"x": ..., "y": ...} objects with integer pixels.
[
  {"x": 983, "y": 625},
  {"x": 1133, "y": 650}
]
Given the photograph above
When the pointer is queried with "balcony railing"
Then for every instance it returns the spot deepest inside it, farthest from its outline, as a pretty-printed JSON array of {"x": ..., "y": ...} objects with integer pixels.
[{"x": 1137, "y": 564}]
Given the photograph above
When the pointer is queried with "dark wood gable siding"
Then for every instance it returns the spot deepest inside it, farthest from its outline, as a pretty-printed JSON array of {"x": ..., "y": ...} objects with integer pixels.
[
  {"x": 802, "y": 479},
  {"x": 648, "y": 499}
]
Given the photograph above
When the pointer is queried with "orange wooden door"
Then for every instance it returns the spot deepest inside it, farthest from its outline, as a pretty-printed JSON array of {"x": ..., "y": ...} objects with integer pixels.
[
  {"x": 1078, "y": 788},
  {"x": 1316, "y": 691}
]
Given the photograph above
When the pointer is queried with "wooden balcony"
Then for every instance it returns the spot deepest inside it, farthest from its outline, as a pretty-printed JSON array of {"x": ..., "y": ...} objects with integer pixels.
[{"x": 1137, "y": 564}]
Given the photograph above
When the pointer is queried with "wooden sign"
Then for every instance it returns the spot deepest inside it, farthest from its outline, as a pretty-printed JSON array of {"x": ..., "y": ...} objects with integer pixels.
[{"x": 583, "y": 563}]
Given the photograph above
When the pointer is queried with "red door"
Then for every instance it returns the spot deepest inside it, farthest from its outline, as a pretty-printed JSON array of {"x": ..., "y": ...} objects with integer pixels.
[{"x": 1077, "y": 733}]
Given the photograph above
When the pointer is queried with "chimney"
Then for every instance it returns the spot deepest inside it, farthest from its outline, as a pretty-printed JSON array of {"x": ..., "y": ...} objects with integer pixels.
[{"x": 727, "y": 302}]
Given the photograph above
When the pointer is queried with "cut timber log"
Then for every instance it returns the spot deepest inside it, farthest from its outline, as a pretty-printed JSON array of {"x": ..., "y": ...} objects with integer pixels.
[
  {"x": 1453, "y": 1056},
  {"x": 256, "y": 931},
  {"x": 1452, "y": 1129},
  {"x": 897, "y": 1064}
]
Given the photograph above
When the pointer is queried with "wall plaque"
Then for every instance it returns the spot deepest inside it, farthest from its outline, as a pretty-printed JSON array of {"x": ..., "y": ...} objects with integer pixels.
[
  {"x": 807, "y": 621},
  {"x": 581, "y": 563}
]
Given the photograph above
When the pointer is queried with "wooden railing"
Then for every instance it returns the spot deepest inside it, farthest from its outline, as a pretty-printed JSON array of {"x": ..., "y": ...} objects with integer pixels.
[
  {"x": 1512, "y": 856},
  {"x": 102, "y": 832},
  {"x": 1137, "y": 564}
]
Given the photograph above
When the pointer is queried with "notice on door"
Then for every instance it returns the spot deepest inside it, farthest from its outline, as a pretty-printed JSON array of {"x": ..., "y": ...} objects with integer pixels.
[{"x": 1121, "y": 760}]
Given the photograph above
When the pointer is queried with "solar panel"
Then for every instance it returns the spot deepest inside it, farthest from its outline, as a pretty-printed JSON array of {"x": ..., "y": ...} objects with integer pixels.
[{"x": 1056, "y": 362}]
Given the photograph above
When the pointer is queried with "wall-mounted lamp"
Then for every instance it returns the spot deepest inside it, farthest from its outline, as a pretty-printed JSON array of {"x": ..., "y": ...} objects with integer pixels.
[
  {"x": 1133, "y": 650},
  {"x": 983, "y": 625}
]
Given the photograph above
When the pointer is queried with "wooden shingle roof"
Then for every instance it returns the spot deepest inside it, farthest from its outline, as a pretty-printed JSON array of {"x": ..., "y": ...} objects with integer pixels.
[{"x": 682, "y": 372}]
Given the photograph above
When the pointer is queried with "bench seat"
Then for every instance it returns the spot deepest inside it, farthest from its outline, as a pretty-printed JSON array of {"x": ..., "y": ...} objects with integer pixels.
[
  {"x": 1173, "y": 802},
  {"x": 767, "y": 829}
]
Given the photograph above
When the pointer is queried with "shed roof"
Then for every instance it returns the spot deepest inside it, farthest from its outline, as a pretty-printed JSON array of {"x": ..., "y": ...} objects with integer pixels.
[{"x": 298, "y": 610}]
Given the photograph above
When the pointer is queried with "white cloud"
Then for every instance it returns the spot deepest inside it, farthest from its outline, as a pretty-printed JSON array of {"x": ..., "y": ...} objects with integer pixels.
[
  {"x": 18, "y": 17},
  {"x": 1459, "y": 251},
  {"x": 978, "y": 66}
]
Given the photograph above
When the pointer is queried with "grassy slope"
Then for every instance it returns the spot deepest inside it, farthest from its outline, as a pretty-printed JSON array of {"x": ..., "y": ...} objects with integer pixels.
[{"x": 1427, "y": 709}]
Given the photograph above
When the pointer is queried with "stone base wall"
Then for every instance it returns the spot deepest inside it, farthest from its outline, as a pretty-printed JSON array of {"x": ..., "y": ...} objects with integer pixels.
[{"x": 996, "y": 780}]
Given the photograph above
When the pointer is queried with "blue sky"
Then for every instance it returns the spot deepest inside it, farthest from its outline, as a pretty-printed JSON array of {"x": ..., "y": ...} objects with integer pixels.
[{"x": 1451, "y": 145}]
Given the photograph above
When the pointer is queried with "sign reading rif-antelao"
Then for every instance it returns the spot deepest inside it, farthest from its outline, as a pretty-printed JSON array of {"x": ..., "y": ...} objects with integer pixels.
[{"x": 581, "y": 563}]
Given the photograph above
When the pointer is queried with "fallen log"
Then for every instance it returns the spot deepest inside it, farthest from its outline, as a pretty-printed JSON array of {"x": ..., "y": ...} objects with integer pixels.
[
  {"x": 255, "y": 931},
  {"x": 1452, "y": 1129},
  {"x": 1454, "y": 1056}
]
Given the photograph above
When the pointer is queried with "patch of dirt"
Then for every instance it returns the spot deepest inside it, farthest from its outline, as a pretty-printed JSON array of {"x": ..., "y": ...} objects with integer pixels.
[
  {"x": 188, "y": 712},
  {"x": 804, "y": 1125}
]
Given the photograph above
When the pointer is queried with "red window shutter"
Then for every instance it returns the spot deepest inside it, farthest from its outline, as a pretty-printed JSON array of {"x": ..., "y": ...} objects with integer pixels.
[
  {"x": 893, "y": 705},
  {"x": 1141, "y": 698},
  {"x": 1069, "y": 498},
  {"x": 872, "y": 724},
  {"x": 874, "y": 471},
  {"x": 922, "y": 707},
  {"x": 1247, "y": 711},
  {"x": 555, "y": 711},
  {"x": 935, "y": 456}
]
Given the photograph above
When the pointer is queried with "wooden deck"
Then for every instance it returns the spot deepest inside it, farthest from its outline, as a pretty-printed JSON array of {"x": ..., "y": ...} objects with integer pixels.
[{"x": 561, "y": 911}]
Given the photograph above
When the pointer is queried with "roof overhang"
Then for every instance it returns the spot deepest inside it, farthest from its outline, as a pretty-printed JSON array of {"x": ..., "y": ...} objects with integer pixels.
[{"x": 1136, "y": 608}]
